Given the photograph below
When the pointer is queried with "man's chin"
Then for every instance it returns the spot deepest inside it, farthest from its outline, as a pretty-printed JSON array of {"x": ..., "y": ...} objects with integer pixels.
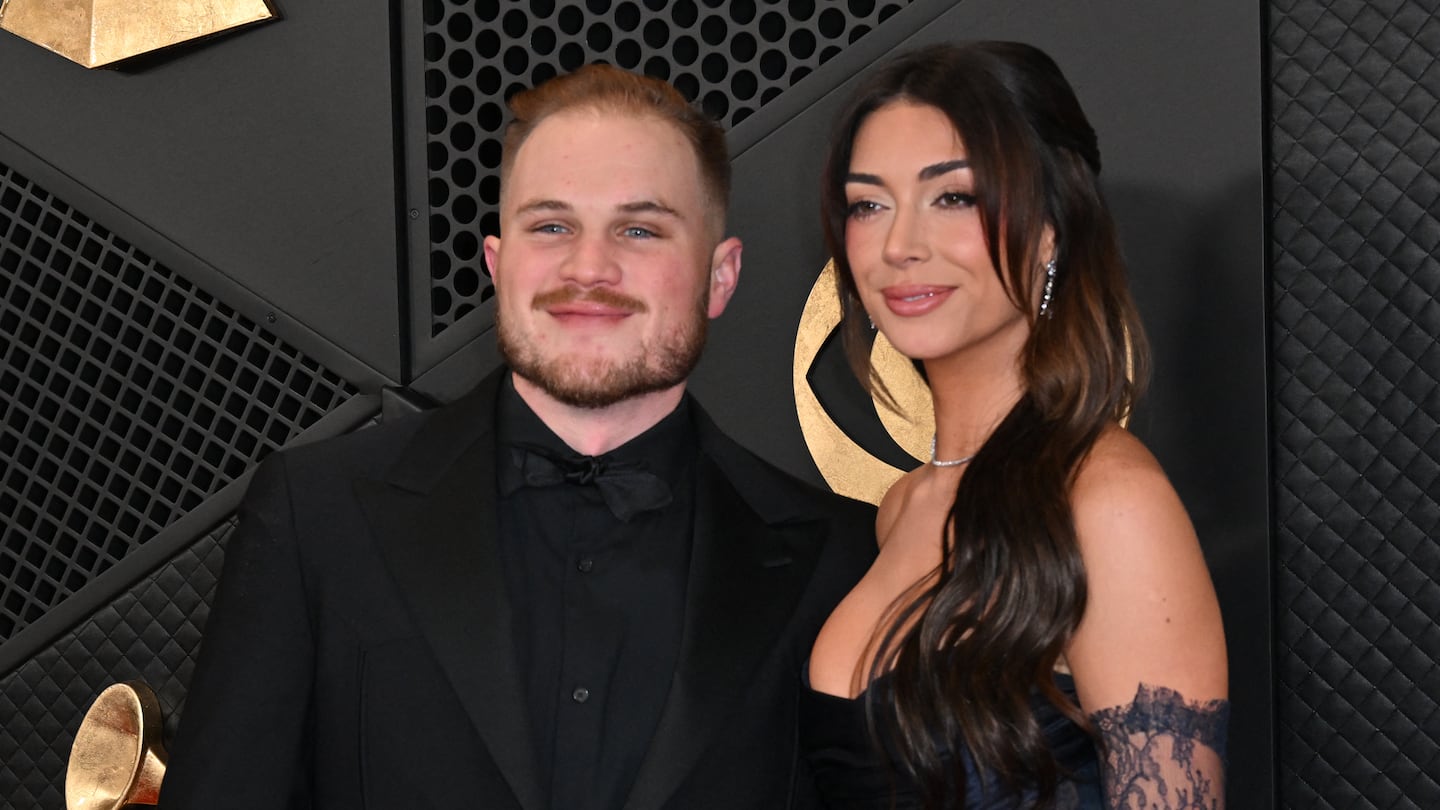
[
  {"x": 587, "y": 395},
  {"x": 596, "y": 388}
]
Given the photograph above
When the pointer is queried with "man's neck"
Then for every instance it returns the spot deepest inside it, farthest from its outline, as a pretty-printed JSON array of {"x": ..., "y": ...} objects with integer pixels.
[{"x": 593, "y": 431}]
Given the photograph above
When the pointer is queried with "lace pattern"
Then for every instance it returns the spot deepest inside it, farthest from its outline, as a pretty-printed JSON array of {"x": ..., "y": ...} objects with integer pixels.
[{"x": 1162, "y": 753}]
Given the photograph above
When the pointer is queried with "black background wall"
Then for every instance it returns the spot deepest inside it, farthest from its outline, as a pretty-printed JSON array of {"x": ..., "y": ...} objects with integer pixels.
[{"x": 225, "y": 248}]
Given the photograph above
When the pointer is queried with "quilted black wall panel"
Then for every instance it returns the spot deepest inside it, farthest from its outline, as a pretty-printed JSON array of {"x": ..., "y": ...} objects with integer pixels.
[{"x": 1356, "y": 273}]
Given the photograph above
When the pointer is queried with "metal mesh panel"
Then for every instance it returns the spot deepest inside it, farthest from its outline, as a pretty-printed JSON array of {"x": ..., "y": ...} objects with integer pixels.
[
  {"x": 733, "y": 57},
  {"x": 129, "y": 396},
  {"x": 1356, "y": 145}
]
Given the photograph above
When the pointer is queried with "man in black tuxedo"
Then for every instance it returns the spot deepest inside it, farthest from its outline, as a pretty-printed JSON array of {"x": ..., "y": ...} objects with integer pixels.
[{"x": 565, "y": 590}]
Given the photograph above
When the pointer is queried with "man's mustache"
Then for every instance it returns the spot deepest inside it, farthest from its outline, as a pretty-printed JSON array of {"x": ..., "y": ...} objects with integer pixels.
[{"x": 598, "y": 295}]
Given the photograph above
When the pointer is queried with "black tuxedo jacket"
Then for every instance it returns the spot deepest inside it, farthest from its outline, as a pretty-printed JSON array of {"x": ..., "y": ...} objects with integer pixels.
[{"x": 360, "y": 654}]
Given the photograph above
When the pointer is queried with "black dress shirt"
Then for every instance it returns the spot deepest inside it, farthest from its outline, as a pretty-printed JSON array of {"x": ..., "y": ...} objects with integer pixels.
[{"x": 598, "y": 604}]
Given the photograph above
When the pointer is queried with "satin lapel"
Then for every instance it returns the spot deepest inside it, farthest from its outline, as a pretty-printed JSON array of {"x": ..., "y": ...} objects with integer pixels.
[
  {"x": 745, "y": 580},
  {"x": 435, "y": 519}
]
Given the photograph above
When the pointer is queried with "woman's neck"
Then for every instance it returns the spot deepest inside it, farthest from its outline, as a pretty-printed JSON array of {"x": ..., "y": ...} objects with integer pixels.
[{"x": 971, "y": 395}]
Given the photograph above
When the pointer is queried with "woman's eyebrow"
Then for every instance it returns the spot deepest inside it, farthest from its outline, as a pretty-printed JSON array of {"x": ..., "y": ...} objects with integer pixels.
[
  {"x": 928, "y": 173},
  {"x": 933, "y": 171}
]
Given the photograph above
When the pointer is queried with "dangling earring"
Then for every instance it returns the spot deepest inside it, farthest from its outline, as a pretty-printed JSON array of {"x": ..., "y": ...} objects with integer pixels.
[
  {"x": 1049, "y": 290},
  {"x": 871, "y": 320}
]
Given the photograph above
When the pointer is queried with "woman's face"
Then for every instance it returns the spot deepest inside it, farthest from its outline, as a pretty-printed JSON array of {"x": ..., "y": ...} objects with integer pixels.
[{"x": 915, "y": 243}]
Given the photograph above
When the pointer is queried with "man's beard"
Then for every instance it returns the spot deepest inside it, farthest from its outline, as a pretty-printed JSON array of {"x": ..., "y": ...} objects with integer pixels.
[{"x": 599, "y": 383}]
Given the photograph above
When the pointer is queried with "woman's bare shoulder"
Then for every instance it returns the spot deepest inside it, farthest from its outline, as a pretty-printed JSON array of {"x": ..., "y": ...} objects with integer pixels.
[
  {"x": 893, "y": 505},
  {"x": 1152, "y": 616},
  {"x": 1121, "y": 484}
]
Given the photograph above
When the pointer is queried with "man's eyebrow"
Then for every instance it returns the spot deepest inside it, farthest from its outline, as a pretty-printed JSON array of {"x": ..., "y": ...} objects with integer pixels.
[
  {"x": 637, "y": 207},
  {"x": 543, "y": 205},
  {"x": 928, "y": 173},
  {"x": 650, "y": 207}
]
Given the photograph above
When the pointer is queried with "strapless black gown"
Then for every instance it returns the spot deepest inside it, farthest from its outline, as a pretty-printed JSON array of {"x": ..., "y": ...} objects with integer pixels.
[{"x": 852, "y": 775}]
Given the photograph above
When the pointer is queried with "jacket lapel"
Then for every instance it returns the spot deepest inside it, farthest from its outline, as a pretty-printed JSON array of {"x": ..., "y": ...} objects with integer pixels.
[
  {"x": 435, "y": 520},
  {"x": 746, "y": 577}
]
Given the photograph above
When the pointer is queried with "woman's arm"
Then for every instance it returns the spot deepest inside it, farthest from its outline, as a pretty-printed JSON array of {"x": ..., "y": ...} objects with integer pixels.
[{"x": 1149, "y": 656}]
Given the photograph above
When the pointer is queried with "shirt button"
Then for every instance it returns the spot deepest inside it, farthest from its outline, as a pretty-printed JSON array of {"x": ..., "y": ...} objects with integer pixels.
[
  {"x": 580, "y": 695},
  {"x": 585, "y": 566}
]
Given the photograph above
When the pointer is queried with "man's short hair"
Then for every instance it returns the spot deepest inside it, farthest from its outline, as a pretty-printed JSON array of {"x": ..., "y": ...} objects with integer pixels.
[{"x": 608, "y": 89}]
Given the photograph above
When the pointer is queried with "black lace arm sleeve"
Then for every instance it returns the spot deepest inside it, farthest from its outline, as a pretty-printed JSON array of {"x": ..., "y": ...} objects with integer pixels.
[{"x": 1162, "y": 753}]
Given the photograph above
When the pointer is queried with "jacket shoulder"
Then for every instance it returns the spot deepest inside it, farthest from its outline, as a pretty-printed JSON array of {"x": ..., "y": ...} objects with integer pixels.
[
  {"x": 776, "y": 495},
  {"x": 376, "y": 450},
  {"x": 367, "y": 451}
]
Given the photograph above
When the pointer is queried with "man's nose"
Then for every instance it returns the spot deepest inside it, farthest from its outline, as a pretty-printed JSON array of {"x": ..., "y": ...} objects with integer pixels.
[{"x": 594, "y": 260}]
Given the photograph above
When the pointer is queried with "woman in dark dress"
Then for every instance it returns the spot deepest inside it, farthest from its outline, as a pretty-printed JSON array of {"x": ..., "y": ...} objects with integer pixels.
[{"x": 1039, "y": 628}]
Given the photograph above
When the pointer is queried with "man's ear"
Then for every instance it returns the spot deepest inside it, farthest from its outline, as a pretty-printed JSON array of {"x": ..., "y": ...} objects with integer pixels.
[
  {"x": 724, "y": 274},
  {"x": 492, "y": 259}
]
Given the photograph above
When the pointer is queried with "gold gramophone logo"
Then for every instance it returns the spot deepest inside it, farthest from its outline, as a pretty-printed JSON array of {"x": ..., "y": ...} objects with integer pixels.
[
  {"x": 117, "y": 759},
  {"x": 848, "y": 467},
  {"x": 97, "y": 33}
]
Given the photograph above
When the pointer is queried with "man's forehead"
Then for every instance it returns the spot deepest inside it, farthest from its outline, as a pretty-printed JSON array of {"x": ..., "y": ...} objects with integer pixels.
[
  {"x": 580, "y": 124},
  {"x": 585, "y": 154}
]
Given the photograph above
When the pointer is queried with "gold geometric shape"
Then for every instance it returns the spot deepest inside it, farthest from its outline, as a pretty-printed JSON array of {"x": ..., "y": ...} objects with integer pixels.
[
  {"x": 912, "y": 426},
  {"x": 117, "y": 758},
  {"x": 96, "y": 33},
  {"x": 847, "y": 467}
]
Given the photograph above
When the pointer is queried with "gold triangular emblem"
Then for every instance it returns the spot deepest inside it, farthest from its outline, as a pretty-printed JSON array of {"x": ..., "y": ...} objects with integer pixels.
[{"x": 95, "y": 33}]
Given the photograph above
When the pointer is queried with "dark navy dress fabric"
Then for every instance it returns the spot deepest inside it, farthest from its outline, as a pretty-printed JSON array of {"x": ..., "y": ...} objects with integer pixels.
[{"x": 853, "y": 775}]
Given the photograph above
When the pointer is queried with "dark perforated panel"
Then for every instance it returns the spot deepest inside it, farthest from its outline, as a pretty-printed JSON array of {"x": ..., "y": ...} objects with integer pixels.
[
  {"x": 151, "y": 633},
  {"x": 1356, "y": 137},
  {"x": 129, "y": 396},
  {"x": 732, "y": 57}
]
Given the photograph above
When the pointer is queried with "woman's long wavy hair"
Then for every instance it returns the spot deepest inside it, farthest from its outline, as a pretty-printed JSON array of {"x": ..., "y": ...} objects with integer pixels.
[{"x": 967, "y": 648}]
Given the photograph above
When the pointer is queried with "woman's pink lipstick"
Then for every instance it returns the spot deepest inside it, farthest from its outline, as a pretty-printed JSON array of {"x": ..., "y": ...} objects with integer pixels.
[{"x": 910, "y": 300}]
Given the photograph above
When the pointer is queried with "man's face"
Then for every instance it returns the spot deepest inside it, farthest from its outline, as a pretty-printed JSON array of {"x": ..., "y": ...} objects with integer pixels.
[{"x": 608, "y": 269}]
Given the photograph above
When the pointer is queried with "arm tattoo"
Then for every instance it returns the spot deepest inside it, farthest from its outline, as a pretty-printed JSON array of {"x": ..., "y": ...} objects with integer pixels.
[{"x": 1162, "y": 753}]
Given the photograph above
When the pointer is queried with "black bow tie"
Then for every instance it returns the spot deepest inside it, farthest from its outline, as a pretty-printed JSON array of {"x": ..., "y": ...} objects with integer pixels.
[{"x": 627, "y": 488}]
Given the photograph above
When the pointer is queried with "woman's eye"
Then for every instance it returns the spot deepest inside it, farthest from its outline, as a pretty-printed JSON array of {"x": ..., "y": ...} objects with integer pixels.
[
  {"x": 955, "y": 199},
  {"x": 861, "y": 209}
]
